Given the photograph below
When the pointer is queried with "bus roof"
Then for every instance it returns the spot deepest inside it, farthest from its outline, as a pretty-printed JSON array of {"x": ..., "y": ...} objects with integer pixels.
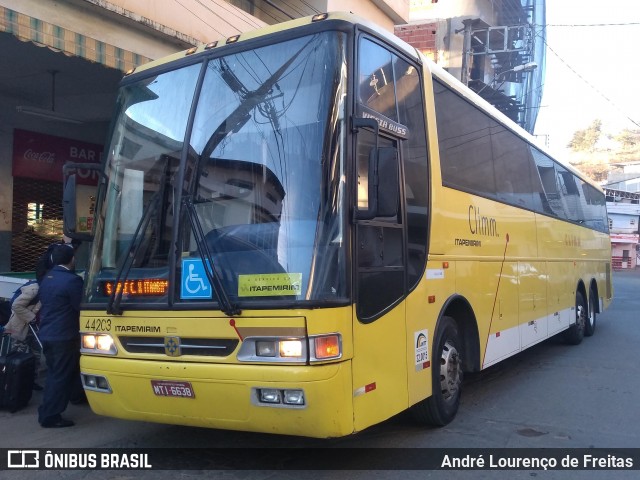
[{"x": 349, "y": 18}]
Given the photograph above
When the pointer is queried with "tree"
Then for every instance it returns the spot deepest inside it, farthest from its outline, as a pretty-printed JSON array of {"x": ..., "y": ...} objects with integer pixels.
[
  {"x": 587, "y": 139},
  {"x": 598, "y": 172},
  {"x": 629, "y": 138}
]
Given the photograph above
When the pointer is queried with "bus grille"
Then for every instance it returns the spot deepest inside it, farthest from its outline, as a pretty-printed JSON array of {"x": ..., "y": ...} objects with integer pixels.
[{"x": 212, "y": 347}]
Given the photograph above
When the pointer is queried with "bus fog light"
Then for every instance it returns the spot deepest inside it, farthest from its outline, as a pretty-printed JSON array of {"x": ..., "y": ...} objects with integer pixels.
[
  {"x": 95, "y": 383},
  {"x": 90, "y": 381},
  {"x": 293, "y": 397},
  {"x": 102, "y": 383},
  {"x": 269, "y": 395}
]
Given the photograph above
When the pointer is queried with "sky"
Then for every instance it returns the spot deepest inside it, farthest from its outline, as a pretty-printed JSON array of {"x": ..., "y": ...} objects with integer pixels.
[{"x": 592, "y": 72}]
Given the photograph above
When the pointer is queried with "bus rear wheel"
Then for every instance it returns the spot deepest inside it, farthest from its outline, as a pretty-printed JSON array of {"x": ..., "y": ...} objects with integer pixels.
[
  {"x": 576, "y": 332},
  {"x": 441, "y": 407}
]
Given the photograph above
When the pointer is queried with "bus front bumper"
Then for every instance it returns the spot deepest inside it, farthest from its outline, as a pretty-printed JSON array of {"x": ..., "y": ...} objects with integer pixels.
[{"x": 224, "y": 396}]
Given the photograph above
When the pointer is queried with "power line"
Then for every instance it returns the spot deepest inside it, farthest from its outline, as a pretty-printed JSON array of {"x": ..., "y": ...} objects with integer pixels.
[
  {"x": 199, "y": 18},
  {"x": 589, "y": 83},
  {"x": 274, "y": 6},
  {"x": 624, "y": 24},
  {"x": 221, "y": 18},
  {"x": 227, "y": 7}
]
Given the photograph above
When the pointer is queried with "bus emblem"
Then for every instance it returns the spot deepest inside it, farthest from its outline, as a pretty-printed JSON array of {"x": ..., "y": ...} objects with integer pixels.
[{"x": 172, "y": 346}]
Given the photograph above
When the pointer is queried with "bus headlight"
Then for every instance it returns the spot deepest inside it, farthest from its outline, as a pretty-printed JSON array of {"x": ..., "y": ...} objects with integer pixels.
[
  {"x": 101, "y": 343},
  {"x": 266, "y": 348},
  {"x": 281, "y": 348},
  {"x": 291, "y": 350}
]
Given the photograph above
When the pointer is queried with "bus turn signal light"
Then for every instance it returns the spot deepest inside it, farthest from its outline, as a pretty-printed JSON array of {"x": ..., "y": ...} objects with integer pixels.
[{"x": 327, "y": 347}]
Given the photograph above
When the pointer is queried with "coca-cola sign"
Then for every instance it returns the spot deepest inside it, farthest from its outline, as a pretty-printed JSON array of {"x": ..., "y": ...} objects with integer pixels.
[{"x": 41, "y": 157}]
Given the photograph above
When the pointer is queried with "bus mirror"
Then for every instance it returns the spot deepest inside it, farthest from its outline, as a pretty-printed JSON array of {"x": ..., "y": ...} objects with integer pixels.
[
  {"x": 69, "y": 206},
  {"x": 367, "y": 165},
  {"x": 388, "y": 189},
  {"x": 78, "y": 202}
]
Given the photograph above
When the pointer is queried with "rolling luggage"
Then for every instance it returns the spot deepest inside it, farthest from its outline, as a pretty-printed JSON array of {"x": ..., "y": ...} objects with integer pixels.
[
  {"x": 5, "y": 344},
  {"x": 16, "y": 380}
]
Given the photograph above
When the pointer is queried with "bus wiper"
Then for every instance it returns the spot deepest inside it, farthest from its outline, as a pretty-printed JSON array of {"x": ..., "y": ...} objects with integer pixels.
[
  {"x": 113, "y": 307},
  {"x": 226, "y": 305}
]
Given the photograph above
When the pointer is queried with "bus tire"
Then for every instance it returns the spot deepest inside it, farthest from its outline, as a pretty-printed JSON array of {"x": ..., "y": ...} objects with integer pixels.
[
  {"x": 590, "y": 325},
  {"x": 575, "y": 333},
  {"x": 446, "y": 374}
]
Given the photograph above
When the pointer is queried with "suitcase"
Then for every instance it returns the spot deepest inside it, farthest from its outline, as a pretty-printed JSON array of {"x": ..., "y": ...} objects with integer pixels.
[
  {"x": 5, "y": 344},
  {"x": 16, "y": 380}
]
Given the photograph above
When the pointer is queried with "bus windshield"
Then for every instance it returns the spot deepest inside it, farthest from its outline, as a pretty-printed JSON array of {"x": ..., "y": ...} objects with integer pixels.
[{"x": 254, "y": 197}]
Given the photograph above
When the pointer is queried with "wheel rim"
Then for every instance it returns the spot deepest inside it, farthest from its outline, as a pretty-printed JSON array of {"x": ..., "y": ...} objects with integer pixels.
[
  {"x": 450, "y": 371},
  {"x": 581, "y": 317},
  {"x": 592, "y": 315}
]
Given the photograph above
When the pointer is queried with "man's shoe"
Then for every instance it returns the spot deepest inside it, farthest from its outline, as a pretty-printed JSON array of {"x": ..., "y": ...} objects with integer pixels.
[
  {"x": 37, "y": 387},
  {"x": 60, "y": 423}
]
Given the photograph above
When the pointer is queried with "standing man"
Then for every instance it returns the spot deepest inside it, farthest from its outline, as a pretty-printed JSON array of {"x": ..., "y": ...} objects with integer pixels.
[{"x": 60, "y": 295}]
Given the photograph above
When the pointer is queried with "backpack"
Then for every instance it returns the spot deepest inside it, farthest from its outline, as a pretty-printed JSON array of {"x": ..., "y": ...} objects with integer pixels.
[
  {"x": 18, "y": 292},
  {"x": 45, "y": 262}
]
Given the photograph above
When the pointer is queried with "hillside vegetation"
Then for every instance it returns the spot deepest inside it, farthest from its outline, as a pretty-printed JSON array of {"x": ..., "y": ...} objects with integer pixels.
[{"x": 597, "y": 153}]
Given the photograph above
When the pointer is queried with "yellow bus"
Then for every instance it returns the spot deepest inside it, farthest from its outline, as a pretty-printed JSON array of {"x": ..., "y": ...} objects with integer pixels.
[{"x": 310, "y": 228}]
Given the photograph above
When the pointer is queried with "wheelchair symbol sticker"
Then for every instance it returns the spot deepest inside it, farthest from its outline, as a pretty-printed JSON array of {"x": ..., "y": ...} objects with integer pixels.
[{"x": 194, "y": 283}]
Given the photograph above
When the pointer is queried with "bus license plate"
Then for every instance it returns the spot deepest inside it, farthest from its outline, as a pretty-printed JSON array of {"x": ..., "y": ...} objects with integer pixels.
[{"x": 166, "y": 388}]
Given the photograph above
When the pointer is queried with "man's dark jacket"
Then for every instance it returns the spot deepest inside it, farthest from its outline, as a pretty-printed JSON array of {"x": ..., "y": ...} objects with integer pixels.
[{"x": 60, "y": 294}]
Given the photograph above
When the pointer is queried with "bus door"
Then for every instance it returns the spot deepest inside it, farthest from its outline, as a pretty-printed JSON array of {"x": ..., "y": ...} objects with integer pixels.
[
  {"x": 390, "y": 247},
  {"x": 379, "y": 350}
]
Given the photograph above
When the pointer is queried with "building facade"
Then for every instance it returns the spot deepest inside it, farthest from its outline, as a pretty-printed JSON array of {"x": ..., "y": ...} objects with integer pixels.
[
  {"x": 62, "y": 62},
  {"x": 495, "y": 47},
  {"x": 624, "y": 218}
]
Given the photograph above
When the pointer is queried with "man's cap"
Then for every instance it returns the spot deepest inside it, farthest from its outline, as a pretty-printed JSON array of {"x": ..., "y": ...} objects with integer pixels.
[{"x": 62, "y": 254}]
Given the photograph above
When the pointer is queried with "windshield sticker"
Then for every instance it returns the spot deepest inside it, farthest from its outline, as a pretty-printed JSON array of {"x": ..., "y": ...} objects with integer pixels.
[
  {"x": 269, "y": 284},
  {"x": 194, "y": 282}
]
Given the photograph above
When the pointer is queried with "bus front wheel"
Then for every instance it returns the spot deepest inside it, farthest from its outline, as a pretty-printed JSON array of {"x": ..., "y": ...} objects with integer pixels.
[
  {"x": 575, "y": 333},
  {"x": 441, "y": 407}
]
